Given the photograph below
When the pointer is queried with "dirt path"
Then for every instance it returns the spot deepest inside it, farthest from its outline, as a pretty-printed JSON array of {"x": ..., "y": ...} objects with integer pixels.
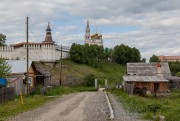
[
  {"x": 83, "y": 106},
  {"x": 67, "y": 108}
]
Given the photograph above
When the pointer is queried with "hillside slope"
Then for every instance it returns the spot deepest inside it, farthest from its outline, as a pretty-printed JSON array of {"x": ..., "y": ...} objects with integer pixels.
[
  {"x": 110, "y": 71},
  {"x": 75, "y": 73}
]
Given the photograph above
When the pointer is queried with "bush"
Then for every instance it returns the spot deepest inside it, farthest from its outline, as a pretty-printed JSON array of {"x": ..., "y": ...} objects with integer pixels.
[
  {"x": 89, "y": 80},
  {"x": 154, "y": 107}
]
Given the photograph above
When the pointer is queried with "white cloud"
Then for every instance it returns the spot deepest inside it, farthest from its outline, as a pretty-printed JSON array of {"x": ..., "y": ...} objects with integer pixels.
[{"x": 158, "y": 22}]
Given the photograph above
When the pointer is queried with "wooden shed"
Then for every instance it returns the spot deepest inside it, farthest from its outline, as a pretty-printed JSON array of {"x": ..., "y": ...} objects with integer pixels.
[
  {"x": 151, "y": 83},
  {"x": 147, "y": 76},
  {"x": 42, "y": 75}
]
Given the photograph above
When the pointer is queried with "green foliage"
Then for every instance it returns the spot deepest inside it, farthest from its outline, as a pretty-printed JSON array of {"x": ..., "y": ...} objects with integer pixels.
[
  {"x": 178, "y": 74},
  {"x": 2, "y": 39},
  {"x": 87, "y": 54},
  {"x": 111, "y": 71},
  {"x": 167, "y": 106},
  {"x": 154, "y": 107},
  {"x": 14, "y": 107},
  {"x": 123, "y": 54},
  {"x": 89, "y": 80},
  {"x": 143, "y": 60},
  {"x": 93, "y": 54},
  {"x": 58, "y": 91},
  {"x": 107, "y": 53},
  {"x": 4, "y": 68},
  {"x": 153, "y": 58},
  {"x": 174, "y": 67}
]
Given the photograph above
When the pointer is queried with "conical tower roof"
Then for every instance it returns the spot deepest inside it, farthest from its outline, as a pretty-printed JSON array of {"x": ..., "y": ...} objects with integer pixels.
[
  {"x": 87, "y": 27},
  {"x": 48, "y": 37}
]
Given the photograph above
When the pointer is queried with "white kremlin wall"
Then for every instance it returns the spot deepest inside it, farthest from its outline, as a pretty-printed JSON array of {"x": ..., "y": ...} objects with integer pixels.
[{"x": 37, "y": 52}]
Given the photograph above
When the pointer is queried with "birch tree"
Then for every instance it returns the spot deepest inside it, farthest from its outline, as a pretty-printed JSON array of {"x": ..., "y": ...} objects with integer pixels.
[{"x": 4, "y": 68}]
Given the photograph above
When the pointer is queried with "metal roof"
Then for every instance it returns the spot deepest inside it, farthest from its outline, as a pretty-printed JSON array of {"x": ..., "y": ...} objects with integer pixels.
[
  {"x": 64, "y": 48},
  {"x": 144, "y": 79},
  {"x": 18, "y": 66},
  {"x": 147, "y": 69},
  {"x": 172, "y": 78}
]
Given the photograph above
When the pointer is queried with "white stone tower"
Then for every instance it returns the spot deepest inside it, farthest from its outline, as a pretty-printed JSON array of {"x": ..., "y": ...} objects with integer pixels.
[
  {"x": 94, "y": 39},
  {"x": 87, "y": 34}
]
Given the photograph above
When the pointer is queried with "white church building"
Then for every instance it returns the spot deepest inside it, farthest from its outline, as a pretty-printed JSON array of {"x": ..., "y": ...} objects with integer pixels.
[
  {"x": 92, "y": 39},
  {"x": 46, "y": 50}
]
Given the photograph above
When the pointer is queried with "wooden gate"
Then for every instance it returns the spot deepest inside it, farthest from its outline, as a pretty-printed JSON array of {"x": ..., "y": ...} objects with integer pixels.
[{"x": 7, "y": 94}]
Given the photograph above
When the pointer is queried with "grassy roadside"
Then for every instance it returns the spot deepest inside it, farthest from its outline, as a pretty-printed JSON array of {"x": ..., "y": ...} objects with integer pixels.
[
  {"x": 168, "y": 106},
  {"x": 14, "y": 107},
  {"x": 111, "y": 71}
]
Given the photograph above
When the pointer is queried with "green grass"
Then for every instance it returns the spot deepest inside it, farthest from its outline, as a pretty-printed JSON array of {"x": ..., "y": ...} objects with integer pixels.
[
  {"x": 66, "y": 90},
  {"x": 169, "y": 105},
  {"x": 14, "y": 107},
  {"x": 111, "y": 71}
]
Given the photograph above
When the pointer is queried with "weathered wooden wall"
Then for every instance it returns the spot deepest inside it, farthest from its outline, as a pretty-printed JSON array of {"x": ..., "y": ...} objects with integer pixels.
[{"x": 163, "y": 86}]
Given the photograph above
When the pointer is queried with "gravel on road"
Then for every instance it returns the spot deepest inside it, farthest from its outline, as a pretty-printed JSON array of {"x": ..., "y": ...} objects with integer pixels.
[
  {"x": 96, "y": 108},
  {"x": 120, "y": 114},
  {"x": 83, "y": 106}
]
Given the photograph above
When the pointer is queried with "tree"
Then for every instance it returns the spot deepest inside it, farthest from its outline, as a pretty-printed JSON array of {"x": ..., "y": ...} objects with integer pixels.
[
  {"x": 4, "y": 68},
  {"x": 108, "y": 54},
  {"x": 87, "y": 54},
  {"x": 153, "y": 58},
  {"x": 123, "y": 54},
  {"x": 143, "y": 60},
  {"x": 2, "y": 39},
  {"x": 174, "y": 67}
]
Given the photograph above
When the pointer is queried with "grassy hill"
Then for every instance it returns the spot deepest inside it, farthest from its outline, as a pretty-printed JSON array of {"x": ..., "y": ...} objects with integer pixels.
[{"x": 110, "y": 71}]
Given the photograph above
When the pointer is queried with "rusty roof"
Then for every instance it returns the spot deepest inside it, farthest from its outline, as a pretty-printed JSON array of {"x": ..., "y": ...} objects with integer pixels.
[{"x": 169, "y": 57}]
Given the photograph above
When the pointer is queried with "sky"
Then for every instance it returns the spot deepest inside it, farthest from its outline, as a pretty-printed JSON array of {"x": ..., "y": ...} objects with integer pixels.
[{"x": 152, "y": 26}]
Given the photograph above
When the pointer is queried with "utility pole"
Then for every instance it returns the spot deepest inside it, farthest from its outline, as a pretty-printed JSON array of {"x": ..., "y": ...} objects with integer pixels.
[
  {"x": 60, "y": 80},
  {"x": 27, "y": 48}
]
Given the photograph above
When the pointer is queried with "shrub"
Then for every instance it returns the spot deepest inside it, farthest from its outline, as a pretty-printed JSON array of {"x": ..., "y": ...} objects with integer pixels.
[
  {"x": 89, "y": 80},
  {"x": 154, "y": 107}
]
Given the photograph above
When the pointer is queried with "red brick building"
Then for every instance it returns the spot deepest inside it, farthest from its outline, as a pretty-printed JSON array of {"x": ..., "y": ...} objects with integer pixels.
[{"x": 169, "y": 58}]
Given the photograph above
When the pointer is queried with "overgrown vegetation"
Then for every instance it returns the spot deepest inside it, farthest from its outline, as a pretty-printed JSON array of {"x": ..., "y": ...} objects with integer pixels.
[
  {"x": 168, "y": 106},
  {"x": 11, "y": 108},
  {"x": 111, "y": 71},
  {"x": 89, "y": 80}
]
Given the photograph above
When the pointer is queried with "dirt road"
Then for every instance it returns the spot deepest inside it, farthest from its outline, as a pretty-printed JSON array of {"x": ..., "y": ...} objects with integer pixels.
[
  {"x": 73, "y": 107},
  {"x": 83, "y": 106}
]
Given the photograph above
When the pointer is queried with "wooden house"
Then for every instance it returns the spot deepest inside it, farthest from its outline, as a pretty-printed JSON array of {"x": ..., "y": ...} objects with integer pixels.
[
  {"x": 150, "y": 83},
  {"x": 146, "y": 76},
  {"x": 17, "y": 75},
  {"x": 42, "y": 74}
]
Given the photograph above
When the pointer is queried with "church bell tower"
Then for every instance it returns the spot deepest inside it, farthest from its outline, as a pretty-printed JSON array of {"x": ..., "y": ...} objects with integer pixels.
[{"x": 87, "y": 34}]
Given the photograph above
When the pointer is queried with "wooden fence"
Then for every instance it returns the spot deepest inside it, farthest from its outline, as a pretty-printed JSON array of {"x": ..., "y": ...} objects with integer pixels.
[{"x": 7, "y": 94}]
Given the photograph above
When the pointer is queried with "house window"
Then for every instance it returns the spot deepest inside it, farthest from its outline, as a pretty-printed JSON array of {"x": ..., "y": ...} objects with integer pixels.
[{"x": 30, "y": 81}]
